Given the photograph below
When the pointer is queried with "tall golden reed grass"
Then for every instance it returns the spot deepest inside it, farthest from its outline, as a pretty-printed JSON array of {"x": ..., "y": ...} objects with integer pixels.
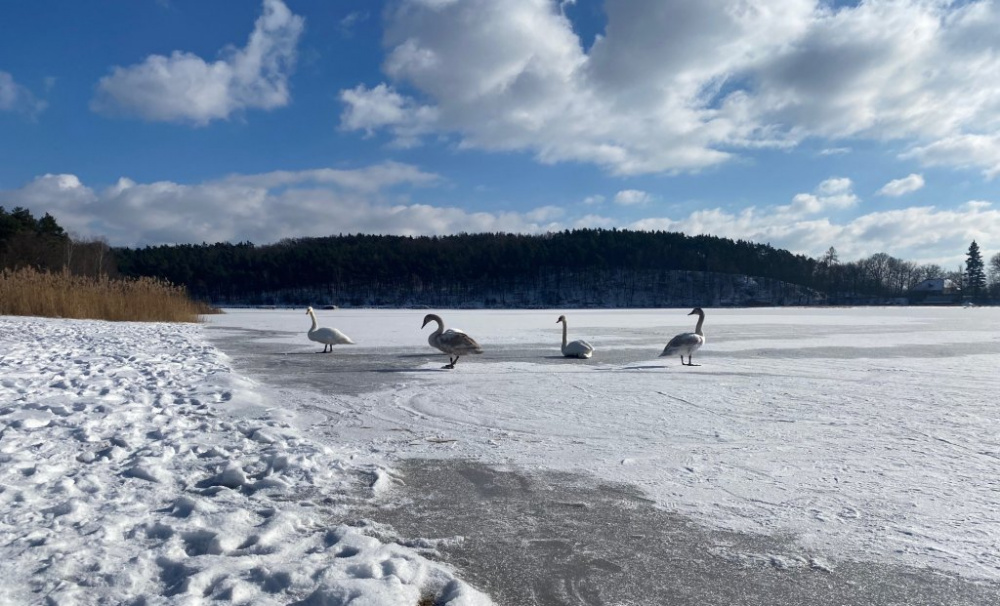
[{"x": 29, "y": 292}]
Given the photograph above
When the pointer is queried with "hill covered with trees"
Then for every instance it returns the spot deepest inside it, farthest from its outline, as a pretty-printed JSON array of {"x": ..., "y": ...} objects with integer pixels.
[{"x": 580, "y": 268}]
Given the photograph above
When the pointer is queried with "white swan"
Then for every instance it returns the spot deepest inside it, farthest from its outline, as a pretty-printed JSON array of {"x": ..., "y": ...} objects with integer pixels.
[
  {"x": 451, "y": 341},
  {"x": 576, "y": 349},
  {"x": 327, "y": 336},
  {"x": 687, "y": 342}
]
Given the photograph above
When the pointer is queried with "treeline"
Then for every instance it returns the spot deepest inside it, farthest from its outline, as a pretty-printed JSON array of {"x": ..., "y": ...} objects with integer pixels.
[
  {"x": 587, "y": 267},
  {"x": 42, "y": 244},
  {"x": 569, "y": 267}
]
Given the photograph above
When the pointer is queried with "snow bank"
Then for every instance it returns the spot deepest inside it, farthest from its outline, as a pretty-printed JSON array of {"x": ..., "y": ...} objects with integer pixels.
[{"x": 136, "y": 467}]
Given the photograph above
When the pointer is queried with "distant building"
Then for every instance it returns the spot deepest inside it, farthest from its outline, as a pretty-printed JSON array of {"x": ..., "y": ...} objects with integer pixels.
[{"x": 935, "y": 291}]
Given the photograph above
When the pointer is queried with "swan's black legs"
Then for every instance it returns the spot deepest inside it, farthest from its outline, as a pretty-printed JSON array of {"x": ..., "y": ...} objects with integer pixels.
[
  {"x": 688, "y": 362},
  {"x": 451, "y": 362}
]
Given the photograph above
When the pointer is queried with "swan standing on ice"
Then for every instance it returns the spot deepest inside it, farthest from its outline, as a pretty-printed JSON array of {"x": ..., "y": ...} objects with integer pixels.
[
  {"x": 687, "y": 342},
  {"x": 327, "y": 336},
  {"x": 451, "y": 341},
  {"x": 576, "y": 349}
]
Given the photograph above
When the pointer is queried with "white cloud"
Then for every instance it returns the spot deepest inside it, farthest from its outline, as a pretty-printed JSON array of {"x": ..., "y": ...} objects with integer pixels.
[
  {"x": 921, "y": 234},
  {"x": 263, "y": 208},
  {"x": 593, "y": 200},
  {"x": 368, "y": 180},
  {"x": 832, "y": 194},
  {"x": 966, "y": 151},
  {"x": 674, "y": 85},
  {"x": 382, "y": 107},
  {"x": 17, "y": 98},
  {"x": 185, "y": 88},
  {"x": 899, "y": 187},
  {"x": 632, "y": 197}
]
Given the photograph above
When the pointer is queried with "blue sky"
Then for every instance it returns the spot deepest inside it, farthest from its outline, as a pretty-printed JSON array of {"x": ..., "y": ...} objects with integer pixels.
[{"x": 869, "y": 127}]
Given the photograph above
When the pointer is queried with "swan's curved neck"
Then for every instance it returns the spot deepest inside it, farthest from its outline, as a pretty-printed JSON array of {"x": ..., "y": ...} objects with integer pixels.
[
  {"x": 564, "y": 333},
  {"x": 440, "y": 323},
  {"x": 313, "y": 316},
  {"x": 701, "y": 320}
]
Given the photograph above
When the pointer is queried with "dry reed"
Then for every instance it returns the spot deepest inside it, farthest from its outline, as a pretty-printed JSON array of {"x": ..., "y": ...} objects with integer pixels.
[{"x": 29, "y": 292}]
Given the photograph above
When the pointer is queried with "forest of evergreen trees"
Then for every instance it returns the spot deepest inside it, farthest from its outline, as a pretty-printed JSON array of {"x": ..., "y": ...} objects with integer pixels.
[
  {"x": 580, "y": 268},
  {"x": 584, "y": 268},
  {"x": 26, "y": 241}
]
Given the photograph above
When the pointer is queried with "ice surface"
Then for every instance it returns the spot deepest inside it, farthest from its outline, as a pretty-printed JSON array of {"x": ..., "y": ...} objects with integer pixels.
[
  {"x": 140, "y": 463},
  {"x": 866, "y": 433}
]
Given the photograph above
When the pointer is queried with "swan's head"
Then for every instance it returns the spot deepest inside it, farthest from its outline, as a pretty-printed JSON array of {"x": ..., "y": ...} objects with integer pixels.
[
  {"x": 309, "y": 310},
  {"x": 561, "y": 319},
  {"x": 697, "y": 311},
  {"x": 430, "y": 318}
]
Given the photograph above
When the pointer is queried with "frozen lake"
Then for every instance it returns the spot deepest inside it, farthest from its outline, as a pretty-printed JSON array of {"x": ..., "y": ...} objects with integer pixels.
[{"x": 863, "y": 434}]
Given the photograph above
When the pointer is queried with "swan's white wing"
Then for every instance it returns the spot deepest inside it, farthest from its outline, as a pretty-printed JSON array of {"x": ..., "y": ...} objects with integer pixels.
[
  {"x": 330, "y": 336},
  {"x": 580, "y": 349}
]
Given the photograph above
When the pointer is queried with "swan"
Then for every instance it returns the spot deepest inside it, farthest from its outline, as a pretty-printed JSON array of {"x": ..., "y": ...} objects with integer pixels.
[
  {"x": 451, "y": 341},
  {"x": 687, "y": 342},
  {"x": 327, "y": 336},
  {"x": 576, "y": 349}
]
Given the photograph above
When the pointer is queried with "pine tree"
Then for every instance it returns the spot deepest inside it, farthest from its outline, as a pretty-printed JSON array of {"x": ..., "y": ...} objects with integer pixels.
[{"x": 975, "y": 275}]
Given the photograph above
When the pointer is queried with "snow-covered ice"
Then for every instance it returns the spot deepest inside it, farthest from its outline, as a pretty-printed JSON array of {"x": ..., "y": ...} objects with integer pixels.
[
  {"x": 139, "y": 461},
  {"x": 866, "y": 433}
]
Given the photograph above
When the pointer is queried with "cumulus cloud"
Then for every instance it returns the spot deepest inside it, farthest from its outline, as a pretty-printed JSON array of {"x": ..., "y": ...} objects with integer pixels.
[
  {"x": 899, "y": 187},
  {"x": 674, "y": 85},
  {"x": 382, "y": 107},
  {"x": 264, "y": 207},
  {"x": 830, "y": 195},
  {"x": 185, "y": 88},
  {"x": 923, "y": 234},
  {"x": 17, "y": 98}
]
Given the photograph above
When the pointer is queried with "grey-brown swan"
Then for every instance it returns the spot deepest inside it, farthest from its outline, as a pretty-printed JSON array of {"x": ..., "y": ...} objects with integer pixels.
[
  {"x": 575, "y": 349},
  {"x": 687, "y": 342},
  {"x": 327, "y": 336},
  {"x": 451, "y": 341}
]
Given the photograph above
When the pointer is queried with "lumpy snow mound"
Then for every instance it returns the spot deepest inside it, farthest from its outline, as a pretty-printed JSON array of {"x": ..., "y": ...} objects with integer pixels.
[{"x": 135, "y": 467}]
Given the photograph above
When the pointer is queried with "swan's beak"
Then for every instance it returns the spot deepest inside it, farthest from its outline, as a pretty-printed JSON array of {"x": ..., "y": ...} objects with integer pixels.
[{"x": 424, "y": 324}]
